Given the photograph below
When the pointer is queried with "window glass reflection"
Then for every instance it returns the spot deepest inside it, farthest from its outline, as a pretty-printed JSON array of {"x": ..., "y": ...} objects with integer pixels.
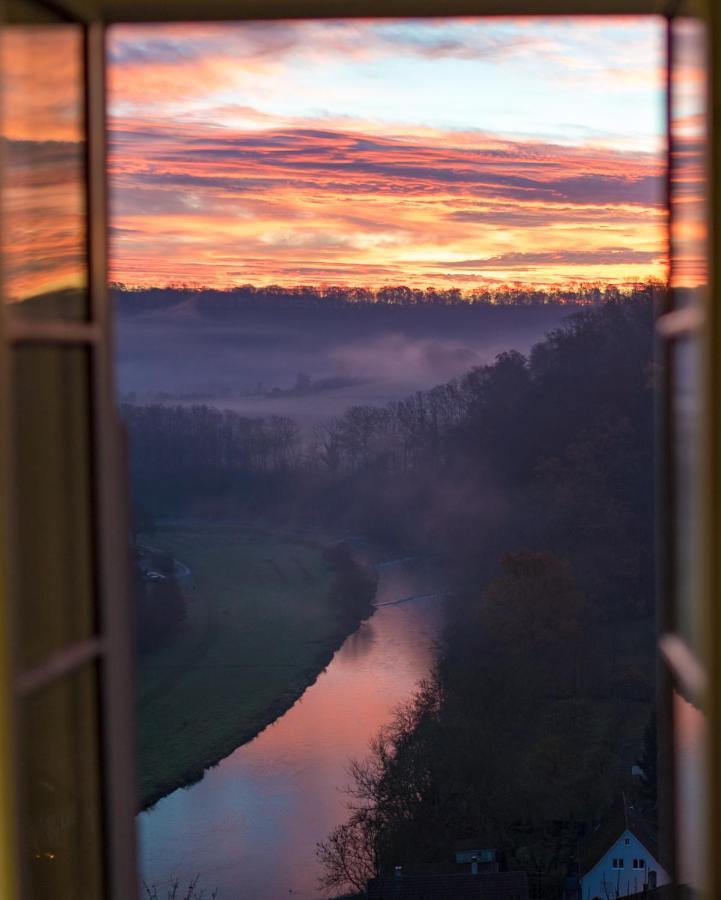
[
  {"x": 52, "y": 500},
  {"x": 59, "y": 753},
  {"x": 685, "y": 365},
  {"x": 689, "y": 280},
  {"x": 691, "y": 734},
  {"x": 43, "y": 194},
  {"x": 689, "y": 265}
]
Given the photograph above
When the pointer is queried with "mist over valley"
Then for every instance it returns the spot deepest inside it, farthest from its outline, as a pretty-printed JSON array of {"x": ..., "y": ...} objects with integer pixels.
[{"x": 308, "y": 361}]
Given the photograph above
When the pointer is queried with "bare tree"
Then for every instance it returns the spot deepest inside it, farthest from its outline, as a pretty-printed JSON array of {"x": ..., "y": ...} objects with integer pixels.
[
  {"x": 348, "y": 855},
  {"x": 174, "y": 891}
]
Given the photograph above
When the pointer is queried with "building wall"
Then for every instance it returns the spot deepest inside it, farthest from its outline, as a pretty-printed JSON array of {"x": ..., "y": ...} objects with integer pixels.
[{"x": 605, "y": 882}]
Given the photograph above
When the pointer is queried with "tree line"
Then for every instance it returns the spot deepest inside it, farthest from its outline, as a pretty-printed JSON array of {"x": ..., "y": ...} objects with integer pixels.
[
  {"x": 553, "y": 448},
  {"x": 133, "y": 299}
]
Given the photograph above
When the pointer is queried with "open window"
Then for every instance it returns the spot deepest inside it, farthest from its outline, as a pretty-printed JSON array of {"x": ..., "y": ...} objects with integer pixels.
[
  {"x": 67, "y": 759},
  {"x": 65, "y": 625}
]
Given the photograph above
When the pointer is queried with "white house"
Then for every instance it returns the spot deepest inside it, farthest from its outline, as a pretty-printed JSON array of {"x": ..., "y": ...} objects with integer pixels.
[{"x": 620, "y": 857}]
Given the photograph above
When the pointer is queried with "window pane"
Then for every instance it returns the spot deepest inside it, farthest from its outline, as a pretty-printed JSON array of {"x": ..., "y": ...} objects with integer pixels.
[
  {"x": 43, "y": 193},
  {"x": 690, "y": 741},
  {"x": 52, "y": 499},
  {"x": 689, "y": 264},
  {"x": 689, "y": 280},
  {"x": 61, "y": 794},
  {"x": 686, "y": 464}
]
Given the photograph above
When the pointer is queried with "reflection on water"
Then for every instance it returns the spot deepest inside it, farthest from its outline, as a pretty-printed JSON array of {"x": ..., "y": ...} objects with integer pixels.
[
  {"x": 358, "y": 645},
  {"x": 250, "y": 827}
]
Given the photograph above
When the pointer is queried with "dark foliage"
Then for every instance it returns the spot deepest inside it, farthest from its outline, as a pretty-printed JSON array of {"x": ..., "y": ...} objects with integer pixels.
[
  {"x": 223, "y": 303},
  {"x": 523, "y": 736},
  {"x": 354, "y": 585},
  {"x": 176, "y": 891},
  {"x": 648, "y": 763}
]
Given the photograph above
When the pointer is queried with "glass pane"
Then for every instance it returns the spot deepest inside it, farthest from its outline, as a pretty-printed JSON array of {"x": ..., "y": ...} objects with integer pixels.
[
  {"x": 689, "y": 280},
  {"x": 52, "y": 524},
  {"x": 689, "y": 264},
  {"x": 43, "y": 192},
  {"x": 685, "y": 399},
  {"x": 690, "y": 740},
  {"x": 61, "y": 792}
]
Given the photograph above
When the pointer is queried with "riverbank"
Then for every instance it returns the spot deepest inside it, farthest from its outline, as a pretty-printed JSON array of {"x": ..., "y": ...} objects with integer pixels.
[{"x": 264, "y": 620}]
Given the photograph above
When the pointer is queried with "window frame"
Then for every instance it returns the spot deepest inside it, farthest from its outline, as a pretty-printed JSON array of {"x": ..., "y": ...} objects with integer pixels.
[
  {"x": 115, "y": 648},
  {"x": 111, "y": 648}
]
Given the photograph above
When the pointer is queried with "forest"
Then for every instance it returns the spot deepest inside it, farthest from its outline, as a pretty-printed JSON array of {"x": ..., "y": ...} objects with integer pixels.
[
  {"x": 555, "y": 446},
  {"x": 133, "y": 300},
  {"x": 531, "y": 479}
]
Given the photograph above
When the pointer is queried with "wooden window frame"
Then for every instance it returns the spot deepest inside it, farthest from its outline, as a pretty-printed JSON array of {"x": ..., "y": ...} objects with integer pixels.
[
  {"x": 112, "y": 648},
  {"x": 699, "y": 677}
]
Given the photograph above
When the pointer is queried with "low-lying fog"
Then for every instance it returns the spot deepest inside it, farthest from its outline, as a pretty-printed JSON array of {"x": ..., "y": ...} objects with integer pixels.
[{"x": 311, "y": 363}]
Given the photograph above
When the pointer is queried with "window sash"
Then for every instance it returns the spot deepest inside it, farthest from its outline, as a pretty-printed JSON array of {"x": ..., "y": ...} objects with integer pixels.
[{"x": 108, "y": 452}]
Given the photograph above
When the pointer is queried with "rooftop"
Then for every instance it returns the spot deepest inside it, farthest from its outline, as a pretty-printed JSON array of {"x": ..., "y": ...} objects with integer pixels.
[
  {"x": 623, "y": 816},
  {"x": 462, "y": 886}
]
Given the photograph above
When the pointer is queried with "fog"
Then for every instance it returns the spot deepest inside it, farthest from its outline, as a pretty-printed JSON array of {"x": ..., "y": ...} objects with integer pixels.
[{"x": 311, "y": 363}]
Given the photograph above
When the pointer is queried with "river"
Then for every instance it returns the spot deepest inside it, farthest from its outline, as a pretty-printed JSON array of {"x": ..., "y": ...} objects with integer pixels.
[{"x": 251, "y": 826}]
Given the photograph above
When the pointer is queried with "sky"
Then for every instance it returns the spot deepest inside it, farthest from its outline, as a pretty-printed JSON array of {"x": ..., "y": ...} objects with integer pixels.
[
  {"x": 439, "y": 153},
  {"x": 446, "y": 153}
]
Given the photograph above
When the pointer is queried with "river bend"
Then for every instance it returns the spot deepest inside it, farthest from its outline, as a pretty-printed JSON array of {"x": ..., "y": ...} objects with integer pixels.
[{"x": 251, "y": 826}]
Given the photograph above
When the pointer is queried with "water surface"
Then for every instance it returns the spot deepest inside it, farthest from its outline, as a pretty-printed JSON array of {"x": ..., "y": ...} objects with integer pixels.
[{"x": 250, "y": 827}]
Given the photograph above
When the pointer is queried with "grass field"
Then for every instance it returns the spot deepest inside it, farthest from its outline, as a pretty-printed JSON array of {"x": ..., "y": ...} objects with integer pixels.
[{"x": 261, "y": 625}]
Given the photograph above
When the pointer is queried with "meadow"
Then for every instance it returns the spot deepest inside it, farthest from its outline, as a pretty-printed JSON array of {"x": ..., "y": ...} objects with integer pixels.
[{"x": 262, "y": 623}]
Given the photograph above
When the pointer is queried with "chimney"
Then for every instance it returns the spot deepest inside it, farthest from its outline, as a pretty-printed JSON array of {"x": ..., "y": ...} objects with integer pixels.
[
  {"x": 474, "y": 865},
  {"x": 398, "y": 871}
]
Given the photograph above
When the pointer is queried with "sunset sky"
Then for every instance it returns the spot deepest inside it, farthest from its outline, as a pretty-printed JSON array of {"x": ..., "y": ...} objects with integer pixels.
[{"x": 447, "y": 153}]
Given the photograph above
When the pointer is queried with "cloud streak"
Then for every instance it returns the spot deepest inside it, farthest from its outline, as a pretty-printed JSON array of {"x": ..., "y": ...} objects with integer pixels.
[
  {"x": 360, "y": 153},
  {"x": 347, "y": 205}
]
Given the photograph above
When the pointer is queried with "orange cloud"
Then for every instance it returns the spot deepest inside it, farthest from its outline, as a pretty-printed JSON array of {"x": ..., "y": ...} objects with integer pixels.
[
  {"x": 322, "y": 204},
  {"x": 219, "y": 177}
]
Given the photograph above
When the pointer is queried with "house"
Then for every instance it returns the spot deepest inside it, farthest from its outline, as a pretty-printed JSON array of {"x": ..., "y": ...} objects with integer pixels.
[
  {"x": 453, "y": 886},
  {"x": 477, "y": 853},
  {"x": 620, "y": 857}
]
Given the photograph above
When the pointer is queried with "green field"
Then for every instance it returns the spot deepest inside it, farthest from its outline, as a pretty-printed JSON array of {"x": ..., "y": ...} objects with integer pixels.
[{"x": 260, "y": 627}]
